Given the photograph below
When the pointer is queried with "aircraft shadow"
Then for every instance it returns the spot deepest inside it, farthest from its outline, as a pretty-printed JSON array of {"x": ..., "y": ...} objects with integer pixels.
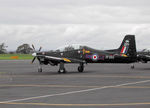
[
  {"x": 52, "y": 73},
  {"x": 143, "y": 69}
]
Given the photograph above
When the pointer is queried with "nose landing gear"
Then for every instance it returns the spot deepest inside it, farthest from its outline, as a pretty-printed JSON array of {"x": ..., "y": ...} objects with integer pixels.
[
  {"x": 40, "y": 68},
  {"x": 61, "y": 68}
]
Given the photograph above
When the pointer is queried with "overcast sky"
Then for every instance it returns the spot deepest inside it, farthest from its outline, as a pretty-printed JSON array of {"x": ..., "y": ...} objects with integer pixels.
[{"x": 101, "y": 24}]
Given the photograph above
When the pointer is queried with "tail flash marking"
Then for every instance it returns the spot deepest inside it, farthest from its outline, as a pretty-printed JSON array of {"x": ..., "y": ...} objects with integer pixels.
[
  {"x": 124, "y": 50},
  {"x": 125, "y": 47}
]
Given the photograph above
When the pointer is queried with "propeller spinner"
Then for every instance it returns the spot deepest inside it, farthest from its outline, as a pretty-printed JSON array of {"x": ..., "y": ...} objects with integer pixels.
[{"x": 35, "y": 53}]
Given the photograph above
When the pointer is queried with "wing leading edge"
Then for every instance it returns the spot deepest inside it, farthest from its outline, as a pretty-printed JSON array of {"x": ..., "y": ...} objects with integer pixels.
[{"x": 61, "y": 59}]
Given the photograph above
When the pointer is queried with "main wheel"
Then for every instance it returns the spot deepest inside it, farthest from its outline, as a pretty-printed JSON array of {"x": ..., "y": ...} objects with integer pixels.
[{"x": 80, "y": 68}]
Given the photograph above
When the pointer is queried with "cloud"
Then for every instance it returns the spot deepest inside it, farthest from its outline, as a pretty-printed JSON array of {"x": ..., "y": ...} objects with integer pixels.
[
  {"x": 73, "y": 12},
  {"x": 98, "y": 23},
  {"x": 53, "y": 36}
]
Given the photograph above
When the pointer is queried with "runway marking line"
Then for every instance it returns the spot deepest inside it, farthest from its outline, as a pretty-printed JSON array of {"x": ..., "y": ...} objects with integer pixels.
[
  {"x": 67, "y": 86},
  {"x": 73, "y": 92},
  {"x": 48, "y": 104}
]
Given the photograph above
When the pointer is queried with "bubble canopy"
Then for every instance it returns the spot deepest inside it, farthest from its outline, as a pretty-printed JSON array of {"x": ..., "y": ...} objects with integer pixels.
[{"x": 70, "y": 47}]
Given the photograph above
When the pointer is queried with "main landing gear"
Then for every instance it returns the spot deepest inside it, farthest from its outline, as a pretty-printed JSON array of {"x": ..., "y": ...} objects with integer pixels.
[
  {"x": 81, "y": 67},
  {"x": 132, "y": 66},
  {"x": 61, "y": 68}
]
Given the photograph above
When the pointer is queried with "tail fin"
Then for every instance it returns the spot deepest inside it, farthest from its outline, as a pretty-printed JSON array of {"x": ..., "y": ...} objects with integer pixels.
[{"x": 128, "y": 46}]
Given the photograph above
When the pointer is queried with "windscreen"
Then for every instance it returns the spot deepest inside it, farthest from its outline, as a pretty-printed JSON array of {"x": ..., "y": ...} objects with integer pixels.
[{"x": 69, "y": 47}]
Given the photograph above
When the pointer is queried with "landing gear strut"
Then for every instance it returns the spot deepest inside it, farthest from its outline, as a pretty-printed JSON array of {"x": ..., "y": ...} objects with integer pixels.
[
  {"x": 40, "y": 68},
  {"x": 81, "y": 67},
  {"x": 61, "y": 68}
]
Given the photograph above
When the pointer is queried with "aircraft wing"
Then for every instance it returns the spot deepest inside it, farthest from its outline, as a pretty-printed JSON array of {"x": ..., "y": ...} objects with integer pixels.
[{"x": 61, "y": 59}]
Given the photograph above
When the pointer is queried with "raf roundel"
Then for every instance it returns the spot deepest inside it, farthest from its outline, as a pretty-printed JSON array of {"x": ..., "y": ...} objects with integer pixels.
[{"x": 95, "y": 57}]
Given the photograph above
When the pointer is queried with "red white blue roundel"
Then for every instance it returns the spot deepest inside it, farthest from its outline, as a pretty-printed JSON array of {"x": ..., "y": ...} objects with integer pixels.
[{"x": 95, "y": 57}]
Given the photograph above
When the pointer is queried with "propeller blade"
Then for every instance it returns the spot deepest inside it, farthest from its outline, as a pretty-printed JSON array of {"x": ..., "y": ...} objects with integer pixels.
[
  {"x": 33, "y": 47},
  {"x": 40, "y": 48},
  {"x": 33, "y": 60}
]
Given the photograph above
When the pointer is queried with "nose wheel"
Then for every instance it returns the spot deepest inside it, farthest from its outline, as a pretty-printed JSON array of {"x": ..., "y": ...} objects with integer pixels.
[{"x": 61, "y": 68}]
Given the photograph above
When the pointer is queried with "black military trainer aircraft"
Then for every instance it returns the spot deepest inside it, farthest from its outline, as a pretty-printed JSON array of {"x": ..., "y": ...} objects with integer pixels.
[
  {"x": 143, "y": 56},
  {"x": 126, "y": 53}
]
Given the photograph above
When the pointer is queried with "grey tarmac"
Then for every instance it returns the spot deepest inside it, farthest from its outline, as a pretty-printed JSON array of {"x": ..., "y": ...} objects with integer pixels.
[{"x": 100, "y": 85}]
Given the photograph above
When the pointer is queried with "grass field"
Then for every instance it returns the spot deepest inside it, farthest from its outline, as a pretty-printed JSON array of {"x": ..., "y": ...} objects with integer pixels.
[{"x": 16, "y": 57}]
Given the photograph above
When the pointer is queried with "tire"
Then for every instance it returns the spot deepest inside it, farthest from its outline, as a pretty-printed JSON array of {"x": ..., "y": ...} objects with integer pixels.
[{"x": 80, "y": 68}]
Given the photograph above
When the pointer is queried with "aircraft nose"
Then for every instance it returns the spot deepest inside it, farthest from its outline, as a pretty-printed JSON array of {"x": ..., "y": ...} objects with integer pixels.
[{"x": 34, "y": 54}]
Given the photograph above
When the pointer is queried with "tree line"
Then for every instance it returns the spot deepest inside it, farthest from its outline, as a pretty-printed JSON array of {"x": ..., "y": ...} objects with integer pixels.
[{"x": 22, "y": 49}]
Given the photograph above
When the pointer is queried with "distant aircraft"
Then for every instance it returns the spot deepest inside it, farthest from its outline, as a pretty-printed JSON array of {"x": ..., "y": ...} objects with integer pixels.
[
  {"x": 126, "y": 53},
  {"x": 143, "y": 56}
]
